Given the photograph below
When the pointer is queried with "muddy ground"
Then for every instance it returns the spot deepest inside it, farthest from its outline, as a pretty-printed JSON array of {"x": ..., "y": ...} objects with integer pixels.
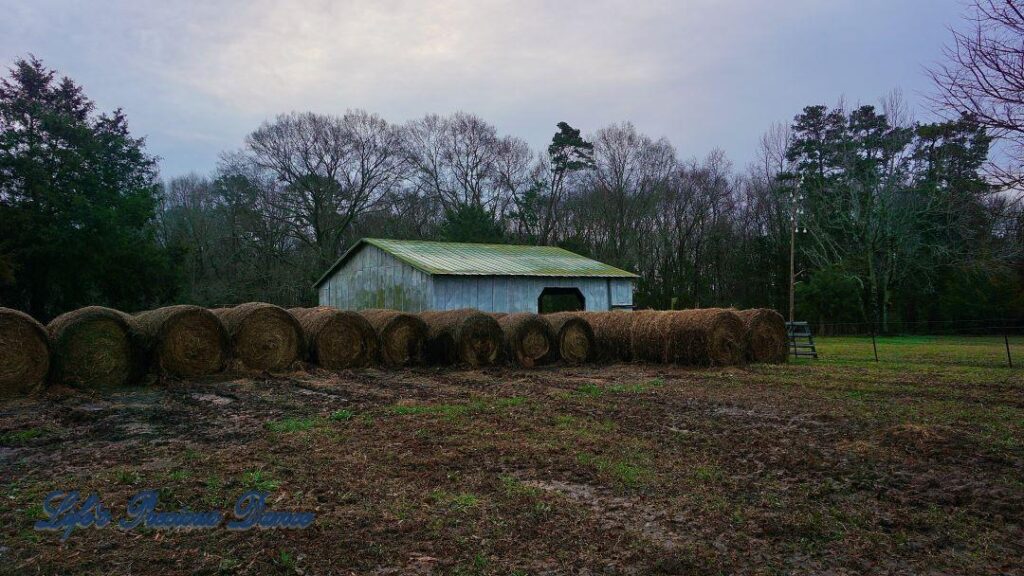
[{"x": 630, "y": 469}]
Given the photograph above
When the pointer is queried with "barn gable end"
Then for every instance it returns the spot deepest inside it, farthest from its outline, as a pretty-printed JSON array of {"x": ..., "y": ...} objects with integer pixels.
[{"x": 372, "y": 278}]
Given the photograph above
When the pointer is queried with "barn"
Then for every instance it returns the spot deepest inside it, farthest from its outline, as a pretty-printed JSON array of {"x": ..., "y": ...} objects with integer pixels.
[{"x": 415, "y": 275}]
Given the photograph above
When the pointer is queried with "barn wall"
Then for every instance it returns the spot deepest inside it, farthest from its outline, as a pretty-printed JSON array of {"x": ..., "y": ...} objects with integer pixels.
[
  {"x": 373, "y": 278},
  {"x": 520, "y": 293},
  {"x": 621, "y": 290}
]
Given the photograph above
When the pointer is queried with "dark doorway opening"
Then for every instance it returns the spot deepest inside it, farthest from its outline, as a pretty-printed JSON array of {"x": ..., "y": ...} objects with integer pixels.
[{"x": 561, "y": 300}]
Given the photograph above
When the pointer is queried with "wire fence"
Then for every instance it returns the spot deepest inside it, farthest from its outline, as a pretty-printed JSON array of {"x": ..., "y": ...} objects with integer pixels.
[
  {"x": 975, "y": 327},
  {"x": 981, "y": 342}
]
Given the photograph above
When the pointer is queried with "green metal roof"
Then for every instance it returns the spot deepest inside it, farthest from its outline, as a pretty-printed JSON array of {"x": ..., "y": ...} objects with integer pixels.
[{"x": 463, "y": 259}]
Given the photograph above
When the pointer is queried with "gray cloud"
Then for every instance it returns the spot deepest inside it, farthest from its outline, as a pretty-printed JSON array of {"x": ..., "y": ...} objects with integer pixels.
[{"x": 195, "y": 77}]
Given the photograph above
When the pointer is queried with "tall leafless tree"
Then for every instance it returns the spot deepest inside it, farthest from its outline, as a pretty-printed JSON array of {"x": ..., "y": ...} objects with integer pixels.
[
  {"x": 983, "y": 78},
  {"x": 460, "y": 160},
  {"x": 325, "y": 172}
]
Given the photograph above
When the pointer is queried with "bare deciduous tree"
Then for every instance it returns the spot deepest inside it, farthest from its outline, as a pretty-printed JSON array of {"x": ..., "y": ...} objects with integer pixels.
[
  {"x": 325, "y": 171},
  {"x": 983, "y": 78},
  {"x": 460, "y": 160}
]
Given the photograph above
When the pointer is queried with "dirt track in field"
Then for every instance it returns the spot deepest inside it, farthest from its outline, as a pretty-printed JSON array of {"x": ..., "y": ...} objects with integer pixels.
[{"x": 629, "y": 469}]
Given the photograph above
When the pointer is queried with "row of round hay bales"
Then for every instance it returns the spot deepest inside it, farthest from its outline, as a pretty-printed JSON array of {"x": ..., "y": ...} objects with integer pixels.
[
  {"x": 98, "y": 347},
  {"x": 698, "y": 337}
]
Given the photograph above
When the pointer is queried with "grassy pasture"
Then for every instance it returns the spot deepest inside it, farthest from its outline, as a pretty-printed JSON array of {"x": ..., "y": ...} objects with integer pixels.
[
  {"x": 914, "y": 465},
  {"x": 982, "y": 351}
]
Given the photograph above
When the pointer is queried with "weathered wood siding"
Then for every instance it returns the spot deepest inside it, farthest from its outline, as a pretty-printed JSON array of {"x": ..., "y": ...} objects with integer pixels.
[
  {"x": 372, "y": 278},
  {"x": 521, "y": 293}
]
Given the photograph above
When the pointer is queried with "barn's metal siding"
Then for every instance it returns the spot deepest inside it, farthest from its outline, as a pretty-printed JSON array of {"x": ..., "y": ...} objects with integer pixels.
[
  {"x": 372, "y": 278},
  {"x": 520, "y": 293},
  {"x": 621, "y": 290}
]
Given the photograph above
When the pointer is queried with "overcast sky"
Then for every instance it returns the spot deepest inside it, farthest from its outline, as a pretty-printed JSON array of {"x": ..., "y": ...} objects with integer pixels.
[{"x": 195, "y": 76}]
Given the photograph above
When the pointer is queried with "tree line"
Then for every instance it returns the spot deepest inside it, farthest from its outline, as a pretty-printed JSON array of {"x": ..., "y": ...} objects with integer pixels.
[
  {"x": 891, "y": 219},
  {"x": 894, "y": 219}
]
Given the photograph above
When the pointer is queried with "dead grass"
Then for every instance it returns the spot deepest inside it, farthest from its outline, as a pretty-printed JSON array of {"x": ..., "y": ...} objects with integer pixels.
[{"x": 625, "y": 469}]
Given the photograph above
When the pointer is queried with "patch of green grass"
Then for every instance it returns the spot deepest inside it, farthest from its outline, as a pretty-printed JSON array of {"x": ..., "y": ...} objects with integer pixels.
[
  {"x": 257, "y": 479},
  {"x": 457, "y": 502},
  {"x": 288, "y": 425},
  {"x": 707, "y": 474},
  {"x": 126, "y": 476},
  {"x": 626, "y": 472},
  {"x": 178, "y": 475},
  {"x": 585, "y": 427},
  {"x": 228, "y": 566},
  {"x": 510, "y": 401},
  {"x": 285, "y": 560},
  {"x": 514, "y": 487},
  {"x": 35, "y": 512},
  {"x": 421, "y": 409},
  {"x": 214, "y": 491},
  {"x": 590, "y": 390},
  {"x": 341, "y": 415},
  {"x": 456, "y": 410},
  {"x": 166, "y": 495},
  {"x": 594, "y": 391},
  {"x": 19, "y": 437}
]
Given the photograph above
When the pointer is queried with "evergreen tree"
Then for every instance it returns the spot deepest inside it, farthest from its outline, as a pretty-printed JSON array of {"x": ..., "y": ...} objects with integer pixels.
[{"x": 77, "y": 201}]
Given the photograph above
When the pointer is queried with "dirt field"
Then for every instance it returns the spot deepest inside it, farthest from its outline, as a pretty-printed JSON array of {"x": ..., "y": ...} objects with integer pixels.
[{"x": 819, "y": 467}]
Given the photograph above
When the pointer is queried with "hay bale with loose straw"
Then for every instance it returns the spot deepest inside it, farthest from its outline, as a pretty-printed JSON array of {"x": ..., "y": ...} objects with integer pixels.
[
  {"x": 401, "y": 337},
  {"x": 699, "y": 337},
  {"x": 612, "y": 334},
  {"x": 263, "y": 336},
  {"x": 574, "y": 336},
  {"x": 764, "y": 335},
  {"x": 337, "y": 339},
  {"x": 183, "y": 341},
  {"x": 528, "y": 339},
  {"x": 24, "y": 354},
  {"x": 93, "y": 347},
  {"x": 463, "y": 336}
]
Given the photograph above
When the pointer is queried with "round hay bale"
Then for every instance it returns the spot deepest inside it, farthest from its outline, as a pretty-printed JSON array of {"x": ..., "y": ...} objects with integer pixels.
[
  {"x": 463, "y": 336},
  {"x": 612, "y": 334},
  {"x": 93, "y": 347},
  {"x": 263, "y": 336},
  {"x": 184, "y": 341},
  {"x": 337, "y": 339},
  {"x": 699, "y": 337},
  {"x": 574, "y": 335},
  {"x": 24, "y": 354},
  {"x": 401, "y": 336},
  {"x": 528, "y": 338},
  {"x": 764, "y": 335}
]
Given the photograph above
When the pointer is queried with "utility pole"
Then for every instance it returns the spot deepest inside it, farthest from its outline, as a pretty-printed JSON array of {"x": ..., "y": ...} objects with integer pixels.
[
  {"x": 792, "y": 260},
  {"x": 794, "y": 214}
]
